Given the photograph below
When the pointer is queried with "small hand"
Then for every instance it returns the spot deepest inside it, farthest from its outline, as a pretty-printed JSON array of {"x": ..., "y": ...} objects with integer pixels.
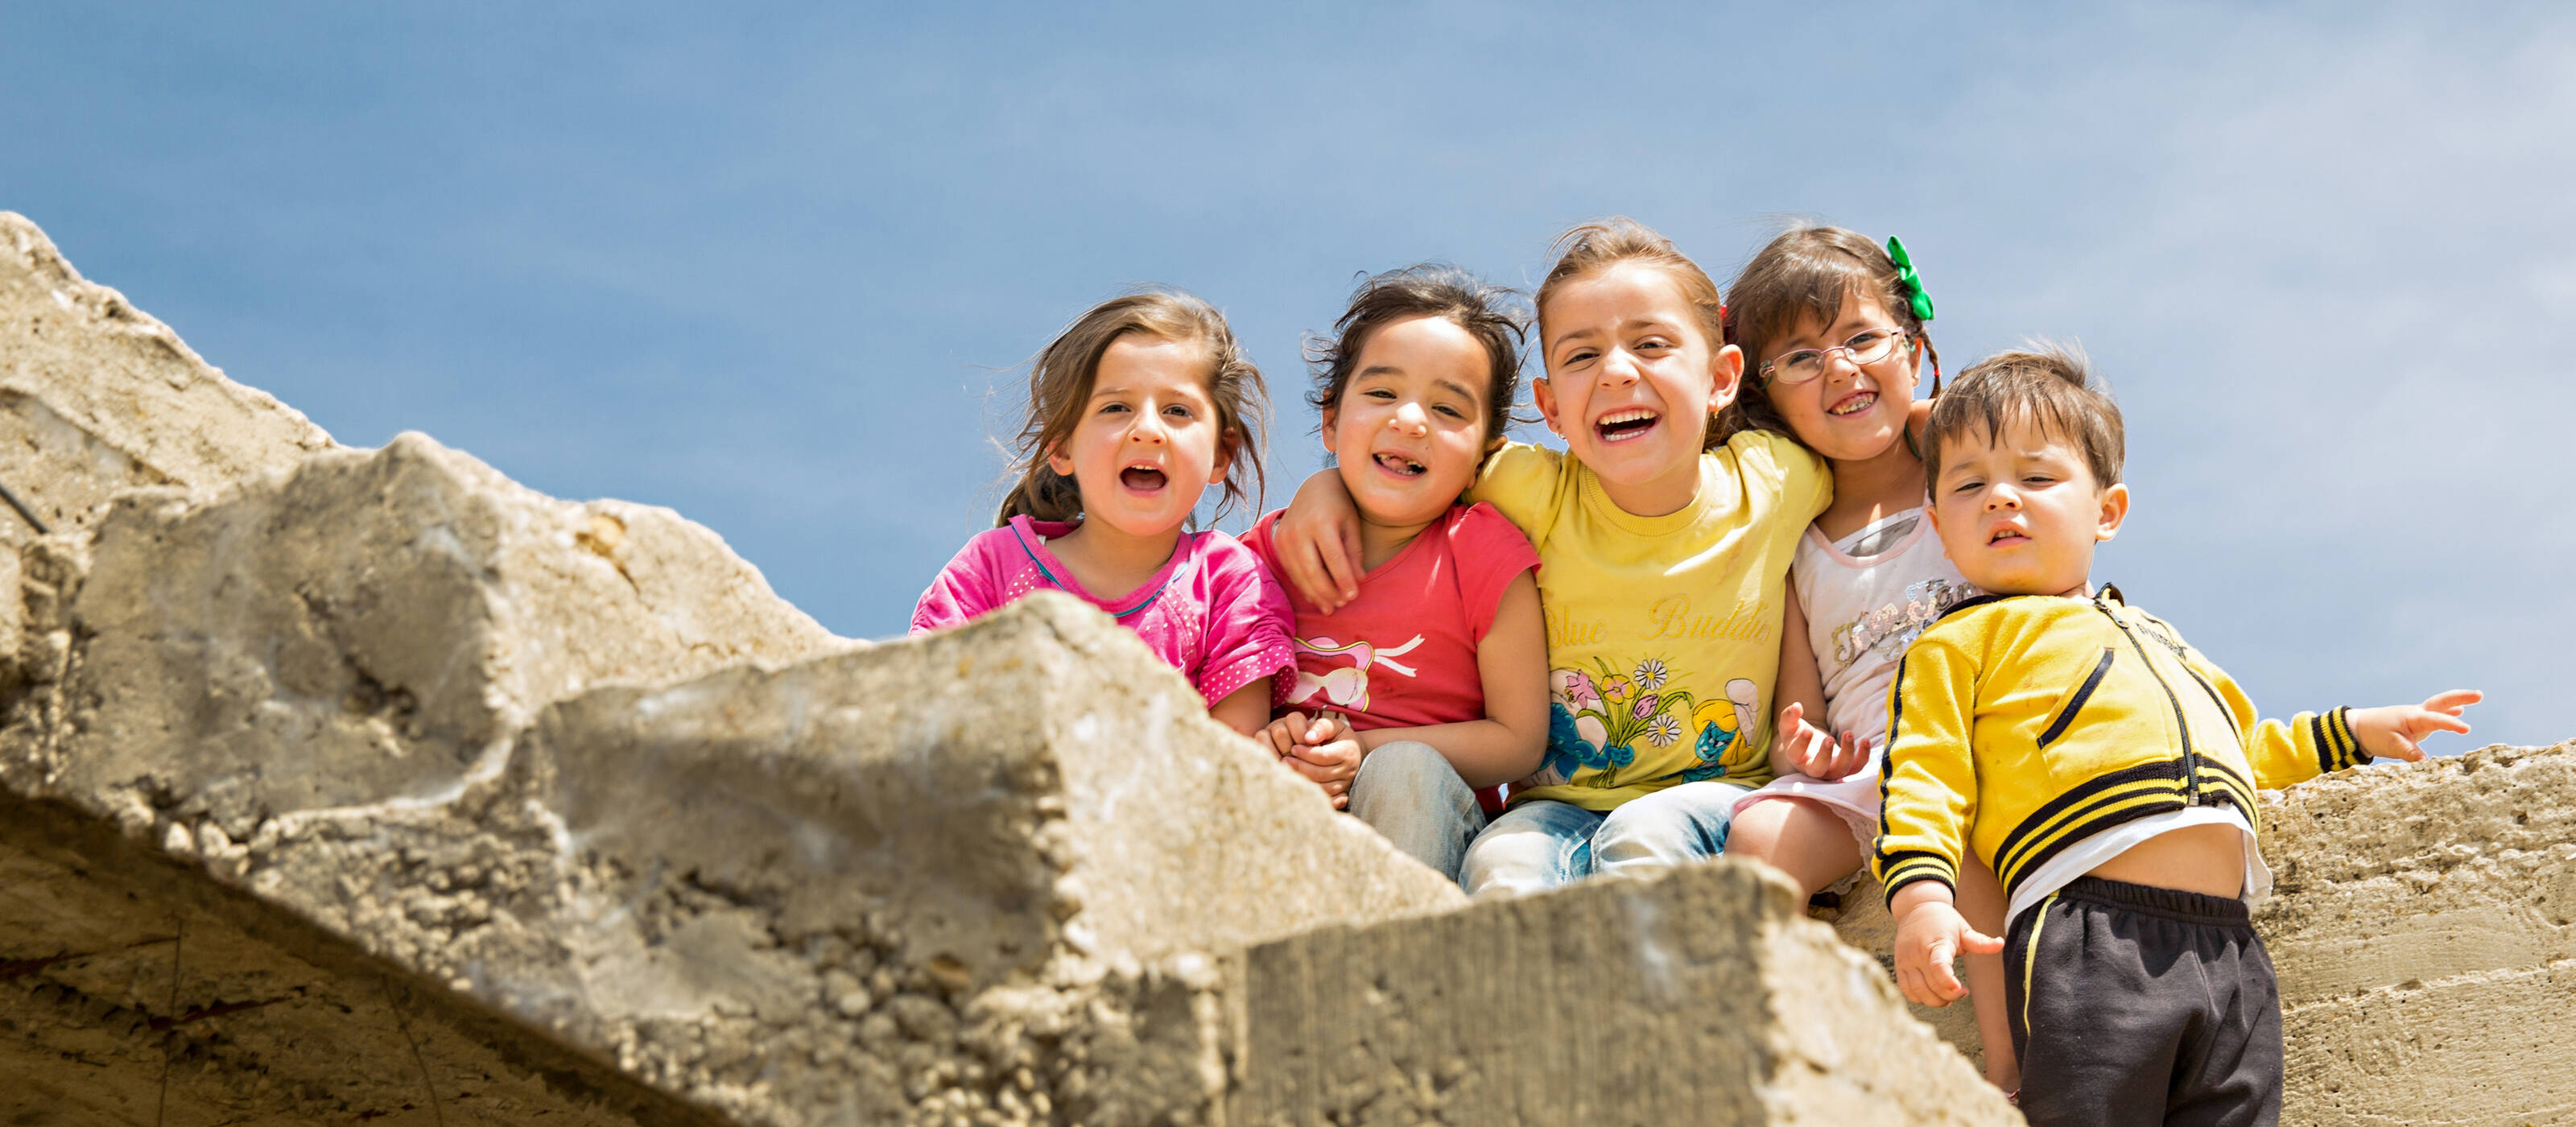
[
  {"x": 1317, "y": 541},
  {"x": 1330, "y": 757},
  {"x": 1280, "y": 735},
  {"x": 1930, "y": 936},
  {"x": 2397, "y": 729},
  {"x": 1808, "y": 750}
]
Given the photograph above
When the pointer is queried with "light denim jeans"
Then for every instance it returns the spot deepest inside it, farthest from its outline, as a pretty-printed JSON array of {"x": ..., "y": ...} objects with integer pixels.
[
  {"x": 1540, "y": 844},
  {"x": 1408, "y": 792}
]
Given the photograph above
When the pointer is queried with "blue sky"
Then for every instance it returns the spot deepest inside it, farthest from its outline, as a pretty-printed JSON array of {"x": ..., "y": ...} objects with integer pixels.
[{"x": 770, "y": 269}]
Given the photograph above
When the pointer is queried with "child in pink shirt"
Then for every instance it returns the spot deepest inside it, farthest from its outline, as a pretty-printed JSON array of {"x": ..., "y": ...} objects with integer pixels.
[
  {"x": 1432, "y": 680},
  {"x": 1134, "y": 410}
]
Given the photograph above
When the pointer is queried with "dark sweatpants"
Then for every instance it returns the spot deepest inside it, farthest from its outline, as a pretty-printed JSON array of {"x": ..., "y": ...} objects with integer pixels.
[{"x": 2140, "y": 1005}]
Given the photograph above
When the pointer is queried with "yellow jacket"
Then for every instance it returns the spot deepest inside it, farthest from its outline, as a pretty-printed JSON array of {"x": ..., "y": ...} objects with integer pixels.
[{"x": 2026, "y": 723}]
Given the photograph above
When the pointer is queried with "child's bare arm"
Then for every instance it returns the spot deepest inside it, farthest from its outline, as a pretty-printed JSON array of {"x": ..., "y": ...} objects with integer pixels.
[
  {"x": 1930, "y": 936},
  {"x": 1246, "y": 709},
  {"x": 1317, "y": 542},
  {"x": 1798, "y": 745},
  {"x": 2399, "y": 729},
  {"x": 1512, "y": 661}
]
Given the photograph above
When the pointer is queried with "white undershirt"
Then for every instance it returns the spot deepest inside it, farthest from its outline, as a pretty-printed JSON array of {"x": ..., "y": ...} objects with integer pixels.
[{"x": 2093, "y": 852}]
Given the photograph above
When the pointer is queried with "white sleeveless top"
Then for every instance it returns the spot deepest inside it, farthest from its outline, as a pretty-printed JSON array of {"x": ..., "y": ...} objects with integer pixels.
[{"x": 1866, "y": 597}]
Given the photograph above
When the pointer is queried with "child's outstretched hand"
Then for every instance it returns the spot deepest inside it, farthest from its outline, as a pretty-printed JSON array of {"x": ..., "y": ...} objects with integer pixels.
[
  {"x": 1930, "y": 935},
  {"x": 1317, "y": 541},
  {"x": 2397, "y": 729},
  {"x": 1808, "y": 750}
]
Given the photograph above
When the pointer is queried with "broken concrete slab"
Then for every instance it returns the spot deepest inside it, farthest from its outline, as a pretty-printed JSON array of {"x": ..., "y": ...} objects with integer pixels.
[
  {"x": 983, "y": 876},
  {"x": 1699, "y": 995},
  {"x": 2424, "y": 929},
  {"x": 372, "y": 626},
  {"x": 97, "y": 396}
]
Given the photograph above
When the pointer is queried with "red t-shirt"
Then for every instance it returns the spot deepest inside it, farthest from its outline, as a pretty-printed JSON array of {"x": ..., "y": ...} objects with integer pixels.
[{"x": 1403, "y": 654}]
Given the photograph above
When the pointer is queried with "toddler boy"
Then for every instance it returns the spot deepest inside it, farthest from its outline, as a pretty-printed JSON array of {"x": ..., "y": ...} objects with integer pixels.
[{"x": 2102, "y": 767}]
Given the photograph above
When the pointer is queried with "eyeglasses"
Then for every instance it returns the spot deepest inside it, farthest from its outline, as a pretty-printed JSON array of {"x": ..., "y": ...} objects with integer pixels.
[{"x": 1866, "y": 347}]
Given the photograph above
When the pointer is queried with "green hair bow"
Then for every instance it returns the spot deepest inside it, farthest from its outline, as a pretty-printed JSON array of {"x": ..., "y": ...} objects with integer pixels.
[{"x": 1906, "y": 277}]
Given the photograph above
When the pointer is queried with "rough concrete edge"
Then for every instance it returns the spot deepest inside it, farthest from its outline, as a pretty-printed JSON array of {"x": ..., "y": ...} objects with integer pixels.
[
  {"x": 1793, "y": 937},
  {"x": 28, "y": 241},
  {"x": 39, "y": 826}
]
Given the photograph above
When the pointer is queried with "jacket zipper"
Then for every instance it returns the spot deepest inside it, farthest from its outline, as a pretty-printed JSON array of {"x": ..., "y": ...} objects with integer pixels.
[{"x": 2182, "y": 724}]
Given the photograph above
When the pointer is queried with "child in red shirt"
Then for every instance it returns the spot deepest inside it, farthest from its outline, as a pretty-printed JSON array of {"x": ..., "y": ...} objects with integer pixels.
[{"x": 1430, "y": 683}]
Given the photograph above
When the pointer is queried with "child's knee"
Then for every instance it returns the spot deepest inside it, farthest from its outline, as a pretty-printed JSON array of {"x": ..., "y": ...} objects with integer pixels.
[
  {"x": 1410, "y": 767},
  {"x": 1669, "y": 827},
  {"x": 1754, "y": 834},
  {"x": 1532, "y": 848}
]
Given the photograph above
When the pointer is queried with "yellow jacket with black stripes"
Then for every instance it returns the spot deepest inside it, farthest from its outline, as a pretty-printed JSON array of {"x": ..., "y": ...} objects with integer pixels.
[{"x": 2025, "y": 723}]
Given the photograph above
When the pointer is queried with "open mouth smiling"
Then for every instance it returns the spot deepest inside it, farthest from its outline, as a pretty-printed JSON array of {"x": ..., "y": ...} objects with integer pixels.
[
  {"x": 1855, "y": 404},
  {"x": 1623, "y": 426},
  {"x": 1400, "y": 466},
  {"x": 1142, "y": 479},
  {"x": 2006, "y": 535}
]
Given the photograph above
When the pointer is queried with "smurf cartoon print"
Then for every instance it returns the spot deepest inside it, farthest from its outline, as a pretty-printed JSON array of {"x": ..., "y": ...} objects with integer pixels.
[
  {"x": 1725, "y": 743},
  {"x": 1346, "y": 688}
]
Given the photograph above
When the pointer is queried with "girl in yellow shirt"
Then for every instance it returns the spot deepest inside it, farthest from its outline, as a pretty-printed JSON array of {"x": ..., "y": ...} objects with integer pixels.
[{"x": 1664, "y": 536}]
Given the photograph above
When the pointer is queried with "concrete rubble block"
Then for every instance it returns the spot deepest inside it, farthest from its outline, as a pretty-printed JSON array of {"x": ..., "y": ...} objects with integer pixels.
[
  {"x": 1702, "y": 995},
  {"x": 97, "y": 396},
  {"x": 341, "y": 654},
  {"x": 984, "y": 876},
  {"x": 1856, "y": 906},
  {"x": 134, "y": 989},
  {"x": 2424, "y": 929},
  {"x": 371, "y": 626}
]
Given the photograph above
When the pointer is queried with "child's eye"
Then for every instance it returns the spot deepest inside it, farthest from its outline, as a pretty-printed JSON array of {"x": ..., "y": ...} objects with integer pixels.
[
  {"x": 1452, "y": 412},
  {"x": 1969, "y": 486},
  {"x": 1579, "y": 356},
  {"x": 1378, "y": 393},
  {"x": 1112, "y": 408},
  {"x": 1177, "y": 411}
]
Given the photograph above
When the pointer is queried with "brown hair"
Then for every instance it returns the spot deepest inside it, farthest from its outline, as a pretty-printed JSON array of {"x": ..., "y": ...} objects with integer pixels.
[
  {"x": 1430, "y": 289},
  {"x": 1593, "y": 247},
  {"x": 2049, "y": 385},
  {"x": 1805, "y": 273},
  {"x": 1060, "y": 382}
]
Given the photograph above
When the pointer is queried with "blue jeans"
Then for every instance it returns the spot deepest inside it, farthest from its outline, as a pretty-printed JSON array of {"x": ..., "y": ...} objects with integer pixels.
[
  {"x": 1408, "y": 792},
  {"x": 1541, "y": 844}
]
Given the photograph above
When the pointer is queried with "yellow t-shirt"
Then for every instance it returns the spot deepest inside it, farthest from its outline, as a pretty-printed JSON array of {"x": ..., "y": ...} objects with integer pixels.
[{"x": 1663, "y": 633}]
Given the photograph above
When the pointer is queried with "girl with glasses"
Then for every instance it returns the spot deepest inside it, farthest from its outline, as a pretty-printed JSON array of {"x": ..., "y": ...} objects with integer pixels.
[{"x": 1832, "y": 328}]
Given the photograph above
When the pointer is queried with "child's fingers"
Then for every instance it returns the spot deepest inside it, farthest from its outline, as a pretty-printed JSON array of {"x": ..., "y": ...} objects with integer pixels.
[
  {"x": 1790, "y": 716},
  {"x": 1307, "y": 573},
  {"x": 2404, "y": 748},
  {"x": 1337, "y": 577},
  {"x": 1938, "y": 975},
  {"x": 1351, "y": 552},
  {"x": 1974, "y": 942},
  {"x": 1909, "y": 982},
  {"x": 2455, "y": 700},
  {"x": 2428, "y": 721}
]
